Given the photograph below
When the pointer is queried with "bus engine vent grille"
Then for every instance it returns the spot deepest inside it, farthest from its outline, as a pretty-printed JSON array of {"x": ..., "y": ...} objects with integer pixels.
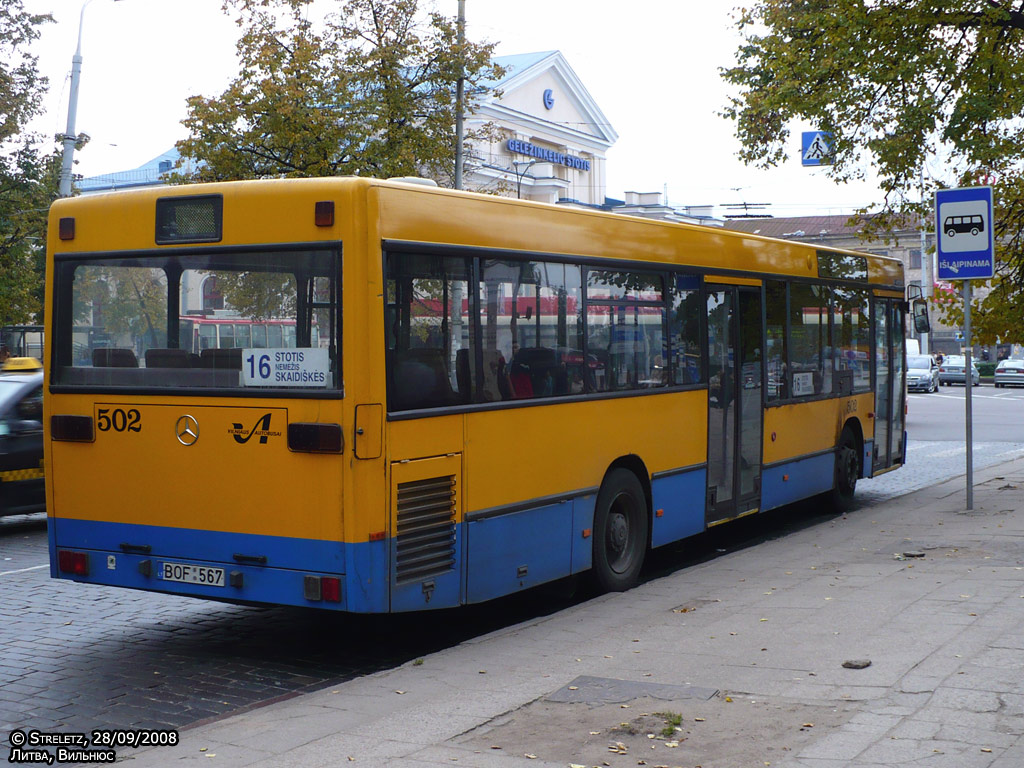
[{"x": 426, "y": 528}]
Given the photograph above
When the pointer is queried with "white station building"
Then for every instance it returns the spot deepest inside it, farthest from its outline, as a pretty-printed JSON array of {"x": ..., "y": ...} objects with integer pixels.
[
  {"x": 551, "y": 138},
  {"x": 549, "y": 144}
]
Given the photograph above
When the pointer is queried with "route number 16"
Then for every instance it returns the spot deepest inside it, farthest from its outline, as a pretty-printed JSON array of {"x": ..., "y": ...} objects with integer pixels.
[{"x": 264, "y": 366}]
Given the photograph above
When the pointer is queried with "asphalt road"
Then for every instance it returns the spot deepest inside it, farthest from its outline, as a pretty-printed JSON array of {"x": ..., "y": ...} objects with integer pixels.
[
  {"x": 998, "y": 414},
  {"x": 74, "y": 657}
]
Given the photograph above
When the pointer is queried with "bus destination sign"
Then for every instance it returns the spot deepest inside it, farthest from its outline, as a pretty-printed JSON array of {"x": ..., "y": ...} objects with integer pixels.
[{"x": 285, "y": 367}]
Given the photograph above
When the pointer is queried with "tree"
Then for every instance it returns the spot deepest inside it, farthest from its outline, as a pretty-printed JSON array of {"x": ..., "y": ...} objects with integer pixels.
[
  {"x": 370, "y": 91},
  {"x": 897, "y": 82},
  {"x": 28, "y": 175}
]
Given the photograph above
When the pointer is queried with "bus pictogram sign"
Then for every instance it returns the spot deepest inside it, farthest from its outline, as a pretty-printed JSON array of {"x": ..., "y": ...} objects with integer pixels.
[{"x": 963, "y": 233}]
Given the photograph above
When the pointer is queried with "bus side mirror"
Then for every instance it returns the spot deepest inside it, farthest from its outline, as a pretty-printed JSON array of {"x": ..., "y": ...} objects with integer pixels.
[{"x": 919, "y": 310}]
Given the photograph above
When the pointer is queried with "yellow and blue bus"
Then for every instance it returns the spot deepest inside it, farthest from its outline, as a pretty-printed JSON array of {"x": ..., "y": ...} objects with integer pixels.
[{"x": 477, "y": 395}]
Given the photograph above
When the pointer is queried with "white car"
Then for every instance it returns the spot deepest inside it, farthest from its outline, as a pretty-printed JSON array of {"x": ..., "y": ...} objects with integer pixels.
[{"x": 1009, "y": 372}]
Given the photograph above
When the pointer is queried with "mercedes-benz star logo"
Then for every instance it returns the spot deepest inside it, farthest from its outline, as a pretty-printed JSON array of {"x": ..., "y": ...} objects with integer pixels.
[{"x": 187, "y": 430}]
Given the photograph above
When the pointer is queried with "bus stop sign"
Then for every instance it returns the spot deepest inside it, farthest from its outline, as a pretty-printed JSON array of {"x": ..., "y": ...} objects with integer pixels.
[{"x": 963, "y": 227}]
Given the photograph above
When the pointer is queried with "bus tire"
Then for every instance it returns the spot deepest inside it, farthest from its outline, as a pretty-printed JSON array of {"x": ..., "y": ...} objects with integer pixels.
[
  {"x": 846, "y": 471},
  {"x": 621, "y": 527}
]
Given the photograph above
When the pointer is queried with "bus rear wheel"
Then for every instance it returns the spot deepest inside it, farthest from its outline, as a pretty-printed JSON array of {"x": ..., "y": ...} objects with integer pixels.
[
  {"x": 620, "y": 531},
  {"x": 847, "y": 470}
]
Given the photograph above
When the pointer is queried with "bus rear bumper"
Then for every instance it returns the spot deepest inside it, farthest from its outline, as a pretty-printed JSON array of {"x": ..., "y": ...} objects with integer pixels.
[{"x": 243, "y": 568}]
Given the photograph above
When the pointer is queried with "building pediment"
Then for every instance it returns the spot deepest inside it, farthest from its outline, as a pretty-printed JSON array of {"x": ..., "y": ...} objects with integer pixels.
[{"x": 541, "y": 94}]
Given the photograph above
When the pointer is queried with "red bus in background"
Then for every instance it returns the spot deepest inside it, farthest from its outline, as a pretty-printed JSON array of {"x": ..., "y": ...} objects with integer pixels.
[{"x": 213, "y": 331}]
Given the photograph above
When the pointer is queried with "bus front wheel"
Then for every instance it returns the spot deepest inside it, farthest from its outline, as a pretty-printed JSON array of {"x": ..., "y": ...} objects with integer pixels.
[
  {"x": 847, "y": 470},
  {"x": 620, "y": 531}
]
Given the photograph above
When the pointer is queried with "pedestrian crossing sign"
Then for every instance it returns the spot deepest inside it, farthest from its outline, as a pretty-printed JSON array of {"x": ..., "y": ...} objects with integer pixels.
[{"x": 816, "y": 148}]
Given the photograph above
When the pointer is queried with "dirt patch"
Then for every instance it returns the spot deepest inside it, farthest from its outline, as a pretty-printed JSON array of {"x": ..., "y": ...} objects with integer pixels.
[{"x": 728, "y": 730}]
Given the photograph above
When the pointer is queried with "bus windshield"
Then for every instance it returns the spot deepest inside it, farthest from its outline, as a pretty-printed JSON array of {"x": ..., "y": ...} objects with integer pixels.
[{"x": 258, "y": 319}]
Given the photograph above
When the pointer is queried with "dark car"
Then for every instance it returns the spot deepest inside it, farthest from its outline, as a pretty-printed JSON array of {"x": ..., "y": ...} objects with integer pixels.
[{"x": 22, "y": 487}]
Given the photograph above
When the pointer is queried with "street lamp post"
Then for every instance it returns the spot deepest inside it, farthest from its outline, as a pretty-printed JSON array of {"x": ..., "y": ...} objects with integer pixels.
[
  {"x": 460, "y": 95},
  {"x": 526, "y": 164},
  {"x": 70, "y": 139}
]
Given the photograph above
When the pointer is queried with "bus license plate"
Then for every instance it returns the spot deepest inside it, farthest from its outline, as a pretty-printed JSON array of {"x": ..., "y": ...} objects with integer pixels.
[{"x": 193, "y": 574}]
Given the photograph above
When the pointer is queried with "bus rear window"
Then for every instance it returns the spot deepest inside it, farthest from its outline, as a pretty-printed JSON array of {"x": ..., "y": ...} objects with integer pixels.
[{"x": 217, "y": 321}]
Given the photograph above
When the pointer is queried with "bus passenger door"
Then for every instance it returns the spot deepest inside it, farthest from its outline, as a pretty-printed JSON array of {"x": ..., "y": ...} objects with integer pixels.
[
  {"x": 735, "y": 409},
  {"x": 890, "y": 347}
]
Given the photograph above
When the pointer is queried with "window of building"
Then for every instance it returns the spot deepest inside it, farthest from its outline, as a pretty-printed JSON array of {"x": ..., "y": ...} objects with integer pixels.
[
  {"x": 212, "y": 298},
  {"x": 915, "y": 258}
]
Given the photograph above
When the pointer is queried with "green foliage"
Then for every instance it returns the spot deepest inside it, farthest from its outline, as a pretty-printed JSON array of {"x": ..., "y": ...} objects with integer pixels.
[
  {"x": 897, "y": 82},
  {"x": 259, "y": 295},
  {"x": 369, "y": 91},
  {"x": 127, "y": 301},
  {"x": 28, "y": 175}
]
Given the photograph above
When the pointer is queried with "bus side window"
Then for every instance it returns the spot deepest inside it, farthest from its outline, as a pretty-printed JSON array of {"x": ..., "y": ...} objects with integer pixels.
[
  {"x": 775, "y": 310},
  {"x": 420, "y": 379},
  {"x": 207, "y": 336},
  {"x": 428, "y": 356},
  {"x": 684, "y": 330},
  {"x": 808, "y": 337},
  {"x": 626, "y": 317}
]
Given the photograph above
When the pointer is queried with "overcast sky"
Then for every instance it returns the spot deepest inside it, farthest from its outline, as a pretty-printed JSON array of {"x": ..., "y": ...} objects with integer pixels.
[{"x": 651, "y": 66}]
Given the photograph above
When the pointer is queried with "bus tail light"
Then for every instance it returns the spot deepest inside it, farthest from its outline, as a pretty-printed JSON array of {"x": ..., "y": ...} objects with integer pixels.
[
  {"x": 75, "y": 563},
  {"x": 326, "y": 588},
  {"x": 330, "y": 587},
  {"x": 77, "y": 429},
  {"x": 314, "y": 437}
]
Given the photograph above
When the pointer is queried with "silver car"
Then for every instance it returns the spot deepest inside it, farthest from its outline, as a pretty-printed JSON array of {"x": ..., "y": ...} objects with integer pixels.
[
  {"x": 922, "y": 373},
  {"x": 1009, "y": 372},
  {"x": 951, "y": 371}
]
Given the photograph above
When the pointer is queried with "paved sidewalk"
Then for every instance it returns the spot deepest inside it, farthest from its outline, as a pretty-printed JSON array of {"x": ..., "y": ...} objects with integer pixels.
[{"x": 736, "y": 661}]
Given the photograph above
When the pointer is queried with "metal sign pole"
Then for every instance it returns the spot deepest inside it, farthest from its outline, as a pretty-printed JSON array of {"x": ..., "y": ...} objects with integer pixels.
[
  {"x": 968, "y": 380},
  {"x": 966, "y": 251}
]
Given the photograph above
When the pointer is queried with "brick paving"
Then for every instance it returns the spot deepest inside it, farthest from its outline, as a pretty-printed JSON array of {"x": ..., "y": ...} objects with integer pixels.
[{"x": 75, "y": 657}]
